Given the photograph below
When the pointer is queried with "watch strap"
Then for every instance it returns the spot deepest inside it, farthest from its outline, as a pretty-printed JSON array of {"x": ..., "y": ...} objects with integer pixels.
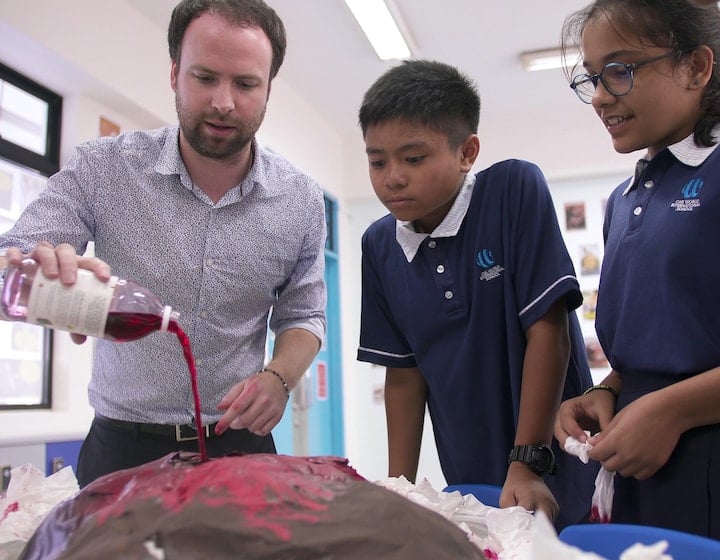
[{"x": 530, "y": 455}]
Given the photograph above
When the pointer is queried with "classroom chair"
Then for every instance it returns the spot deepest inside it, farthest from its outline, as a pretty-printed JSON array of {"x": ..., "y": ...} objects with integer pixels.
[
  {"x": 611, "y": 539},
  {"x": 488, "y": 494}
]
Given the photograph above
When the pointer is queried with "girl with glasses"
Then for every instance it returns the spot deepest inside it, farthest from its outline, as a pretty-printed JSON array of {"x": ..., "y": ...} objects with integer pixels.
[{"x": 649, "y": 71}]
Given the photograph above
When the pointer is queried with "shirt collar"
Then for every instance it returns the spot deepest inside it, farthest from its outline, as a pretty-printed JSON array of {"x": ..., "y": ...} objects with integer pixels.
[
  {"x": 410, "y": 240},
  {"x": 686, "y": 151}
]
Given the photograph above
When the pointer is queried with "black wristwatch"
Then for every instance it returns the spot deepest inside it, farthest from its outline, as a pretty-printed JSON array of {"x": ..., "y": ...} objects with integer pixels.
[{"x": 539, "y": 457}]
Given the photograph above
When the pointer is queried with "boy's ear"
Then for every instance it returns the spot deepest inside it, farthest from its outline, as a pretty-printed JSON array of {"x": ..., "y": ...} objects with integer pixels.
[
  {"x": 702, "y": 63},
  {"x": 469, "y": 152}
]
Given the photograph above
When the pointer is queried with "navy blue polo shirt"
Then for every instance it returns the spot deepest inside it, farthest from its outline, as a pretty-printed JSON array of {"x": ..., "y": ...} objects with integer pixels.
[
  {"x": 657, "y": 309},
  {"x": 459, "y": 311}
]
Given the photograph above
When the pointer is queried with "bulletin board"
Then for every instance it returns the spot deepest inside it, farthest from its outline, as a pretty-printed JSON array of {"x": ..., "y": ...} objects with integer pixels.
[{"x": 580, "y": 206}]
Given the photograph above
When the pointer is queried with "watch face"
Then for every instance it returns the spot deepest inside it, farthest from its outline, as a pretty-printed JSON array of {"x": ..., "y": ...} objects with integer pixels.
[{"x": 544, "y": 459}]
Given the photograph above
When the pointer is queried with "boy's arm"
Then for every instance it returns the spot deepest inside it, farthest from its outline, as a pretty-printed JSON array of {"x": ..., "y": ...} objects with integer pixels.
[
  {"x": 546, "y": 359},
  {"x": 547, "y": 355},
  {"x": 405, "y": 398}
]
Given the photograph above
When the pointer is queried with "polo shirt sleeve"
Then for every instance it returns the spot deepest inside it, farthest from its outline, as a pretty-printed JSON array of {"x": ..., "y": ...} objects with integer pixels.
[
  {"x": 542, "y": 269},
  {"x": 381, "y": 341}
]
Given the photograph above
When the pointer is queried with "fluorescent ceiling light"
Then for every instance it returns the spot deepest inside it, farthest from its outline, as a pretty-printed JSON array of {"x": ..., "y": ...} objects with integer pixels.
[
  {"x": 547, "y": 59},
  {"x": 380, "y": 28}
]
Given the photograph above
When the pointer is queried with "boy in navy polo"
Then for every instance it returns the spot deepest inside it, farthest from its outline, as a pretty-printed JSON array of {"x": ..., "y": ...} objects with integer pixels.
[{"x": 468, "y": 297}]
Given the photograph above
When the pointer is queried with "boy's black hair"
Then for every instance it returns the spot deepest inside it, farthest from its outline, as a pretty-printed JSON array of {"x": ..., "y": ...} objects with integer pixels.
[
  {"x": 426, "y": 92},
  {"x": 678, "y": 25},
  {"x": 249, "y": 13}
]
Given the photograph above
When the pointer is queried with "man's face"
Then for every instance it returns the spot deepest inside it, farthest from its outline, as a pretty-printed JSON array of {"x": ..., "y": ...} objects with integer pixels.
[{"x": 221, "y": 83}]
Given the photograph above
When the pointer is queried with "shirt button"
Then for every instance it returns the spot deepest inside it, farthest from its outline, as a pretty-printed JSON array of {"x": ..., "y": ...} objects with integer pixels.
[
  {"x": 440, "y": 268},
  {"x": 649, "y": 184},
  {"x": 203, "y": 314},
  {"x": 432, "y": 244},
  {"x": 448, "y": 295},
  {"x": 637, "y": 211}
]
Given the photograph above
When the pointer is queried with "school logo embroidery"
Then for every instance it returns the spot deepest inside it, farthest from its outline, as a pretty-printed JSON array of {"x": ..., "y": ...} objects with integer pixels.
[
  {"x": 486, "y": 261},
  {"x": 690, "y": 199}
]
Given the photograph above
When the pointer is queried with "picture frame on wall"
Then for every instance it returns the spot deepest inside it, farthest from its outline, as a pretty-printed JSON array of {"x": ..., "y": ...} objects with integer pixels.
[
  {"x": 574, "y": 216},
  {"x": 595, "y": 354},
  {"x": 589, "y": 259}
]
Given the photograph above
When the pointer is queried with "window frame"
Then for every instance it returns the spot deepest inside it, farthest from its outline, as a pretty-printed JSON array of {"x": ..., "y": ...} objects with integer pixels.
[{"x": 45, "y": 164}]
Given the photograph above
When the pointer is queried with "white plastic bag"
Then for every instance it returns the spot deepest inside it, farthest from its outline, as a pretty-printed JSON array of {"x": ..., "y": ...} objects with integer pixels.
[{"x": 29, "y": 498}]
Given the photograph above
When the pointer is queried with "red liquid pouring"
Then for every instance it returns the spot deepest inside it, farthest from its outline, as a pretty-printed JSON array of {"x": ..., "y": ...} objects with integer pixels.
[{"x": 124, "y": 327}]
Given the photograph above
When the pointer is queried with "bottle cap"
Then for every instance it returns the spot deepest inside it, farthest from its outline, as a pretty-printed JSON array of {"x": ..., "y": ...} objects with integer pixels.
[{"x": 166, "y": 318}]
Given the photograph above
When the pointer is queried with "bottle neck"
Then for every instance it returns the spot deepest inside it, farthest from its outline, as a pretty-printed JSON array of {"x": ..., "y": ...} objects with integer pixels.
[{"x": 169, "y": 316}]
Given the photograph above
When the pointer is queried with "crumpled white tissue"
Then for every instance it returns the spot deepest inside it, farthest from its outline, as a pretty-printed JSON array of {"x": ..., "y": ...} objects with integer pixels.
[
  {"x": 509, "y": 533},
  {"x": 602, "y": 500},
  {"x": 29, "y": 498}
]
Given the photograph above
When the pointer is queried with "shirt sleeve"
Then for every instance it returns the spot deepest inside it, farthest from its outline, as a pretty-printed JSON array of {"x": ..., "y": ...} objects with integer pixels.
[
  {"x": 302, "y": 299},
  {"x": 61, "y": 213},
  {"x": 542, "y": 269},
  {"x": 381, "y": 340}
]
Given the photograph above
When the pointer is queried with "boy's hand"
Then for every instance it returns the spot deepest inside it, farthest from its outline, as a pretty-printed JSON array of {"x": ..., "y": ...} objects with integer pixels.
[{"x": 524, "y": 488}]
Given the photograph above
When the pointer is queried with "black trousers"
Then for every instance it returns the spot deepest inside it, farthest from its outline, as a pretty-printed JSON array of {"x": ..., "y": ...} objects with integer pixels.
[{"x": 108, "y": 448}]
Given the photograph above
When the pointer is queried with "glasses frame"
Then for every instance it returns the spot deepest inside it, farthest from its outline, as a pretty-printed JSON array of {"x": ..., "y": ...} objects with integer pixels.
[{"x": 582, "y": 79}]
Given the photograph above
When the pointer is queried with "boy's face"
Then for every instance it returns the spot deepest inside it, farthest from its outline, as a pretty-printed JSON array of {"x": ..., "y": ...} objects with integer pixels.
[{"x": 414, "y": 172}]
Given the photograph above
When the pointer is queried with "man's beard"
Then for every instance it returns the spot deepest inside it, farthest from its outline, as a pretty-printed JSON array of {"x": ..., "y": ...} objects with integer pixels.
[{"x": 217, "y": 148}]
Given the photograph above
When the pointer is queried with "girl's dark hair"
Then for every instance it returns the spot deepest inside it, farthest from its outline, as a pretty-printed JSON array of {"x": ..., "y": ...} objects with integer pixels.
[
  {"x": 249, "y": 13},
  {"x": 430, "y": 93},
  {"x": 677, "y": 25}
]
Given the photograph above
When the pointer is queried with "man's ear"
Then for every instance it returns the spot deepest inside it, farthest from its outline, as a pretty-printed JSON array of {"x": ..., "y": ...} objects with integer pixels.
[
  {"x": 469, "y": 152},
  {"x": 173, "y": 76}
]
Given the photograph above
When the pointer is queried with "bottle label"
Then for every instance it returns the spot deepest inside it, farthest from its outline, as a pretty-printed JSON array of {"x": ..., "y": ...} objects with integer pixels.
[{"x": 81, "y": 308}]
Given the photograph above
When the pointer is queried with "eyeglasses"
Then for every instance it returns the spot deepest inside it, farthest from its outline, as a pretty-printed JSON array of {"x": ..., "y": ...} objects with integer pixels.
[{"x": 616, "y": 78}]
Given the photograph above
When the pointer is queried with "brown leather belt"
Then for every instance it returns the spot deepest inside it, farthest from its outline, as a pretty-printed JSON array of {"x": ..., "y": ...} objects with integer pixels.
[{"x": 178, "y": 432}]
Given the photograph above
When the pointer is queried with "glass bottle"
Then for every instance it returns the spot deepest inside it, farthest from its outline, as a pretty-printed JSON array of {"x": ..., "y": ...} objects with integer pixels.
[{"x": 118, "y": 309}]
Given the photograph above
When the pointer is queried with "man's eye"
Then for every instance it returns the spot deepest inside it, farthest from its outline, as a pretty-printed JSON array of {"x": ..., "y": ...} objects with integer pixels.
[{"x": 415, "y": 159}]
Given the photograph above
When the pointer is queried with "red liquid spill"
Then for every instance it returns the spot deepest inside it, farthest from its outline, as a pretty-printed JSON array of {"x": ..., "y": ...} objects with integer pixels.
[
  {"x": 124, "y": 327},
  {"x": 269, "y": 492},
  {"x": 187, "y": 351}
]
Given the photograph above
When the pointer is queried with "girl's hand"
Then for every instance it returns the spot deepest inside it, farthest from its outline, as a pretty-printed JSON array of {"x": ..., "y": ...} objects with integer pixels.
[
  {"x": 591, "y": 412},
  {"x": 638, "y": 440}
]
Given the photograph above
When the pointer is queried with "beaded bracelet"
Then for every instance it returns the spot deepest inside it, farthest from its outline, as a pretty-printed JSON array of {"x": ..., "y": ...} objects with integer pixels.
[
  {"x": 280, "y": 377},
  {"x": 602, "y": 388}
]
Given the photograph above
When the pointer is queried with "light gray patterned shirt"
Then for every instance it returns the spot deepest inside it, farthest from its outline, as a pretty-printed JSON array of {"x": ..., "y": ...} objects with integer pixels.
[{"x": 222, "y": 266}]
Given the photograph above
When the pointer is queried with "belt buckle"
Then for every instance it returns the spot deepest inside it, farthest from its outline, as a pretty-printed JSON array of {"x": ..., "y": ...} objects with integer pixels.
[{"x": 181, "y": 431}]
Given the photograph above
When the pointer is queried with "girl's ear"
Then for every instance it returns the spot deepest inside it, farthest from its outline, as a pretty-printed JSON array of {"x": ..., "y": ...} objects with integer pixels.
[
  {"x": 701, "y": 64},
  {"x": 469, "y": 152}
]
